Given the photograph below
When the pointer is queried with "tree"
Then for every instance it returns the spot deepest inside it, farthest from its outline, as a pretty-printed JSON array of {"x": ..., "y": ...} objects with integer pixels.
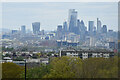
[
  {"x": 20, "y": 58},
  {"x": 7, "y": 49},
  {"x": 7, "y": 55},
  {"x": 37, "y": 72},
  {"x": 74, "y": 67},
  {"x": 65, "y": 67},
  {"x": 0, "y": 70},
  {"x": 100, "y": 68},
  {"x": 11, "y": 70}
]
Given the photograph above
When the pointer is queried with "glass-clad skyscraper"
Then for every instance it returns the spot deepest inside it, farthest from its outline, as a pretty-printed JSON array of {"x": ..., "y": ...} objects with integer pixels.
[
  {"x": 36, "y": 27},
  {"x": 23, "y": 29},
  {"x": 91, "y": 26},
  {"x": 72, "y": 19},
  {"x": 98, "y": 26}
]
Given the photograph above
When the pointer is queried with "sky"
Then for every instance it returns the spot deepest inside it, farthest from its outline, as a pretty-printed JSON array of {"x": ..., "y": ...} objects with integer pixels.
[
  {"x": 59, "y": 0},
  {"x": 51, "y": 14}
]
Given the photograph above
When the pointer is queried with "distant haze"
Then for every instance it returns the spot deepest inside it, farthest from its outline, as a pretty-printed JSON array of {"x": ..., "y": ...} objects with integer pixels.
[{"x": 51, "y": 14}]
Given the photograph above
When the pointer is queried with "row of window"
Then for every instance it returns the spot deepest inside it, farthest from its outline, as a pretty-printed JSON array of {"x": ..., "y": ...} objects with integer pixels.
[{"x": 87, "y": 55}]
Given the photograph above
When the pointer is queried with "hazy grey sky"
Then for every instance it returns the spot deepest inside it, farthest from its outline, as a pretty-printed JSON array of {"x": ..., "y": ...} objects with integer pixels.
[
  {"x": 50, "y": 14},
  {"x": 59, "y": 0}
]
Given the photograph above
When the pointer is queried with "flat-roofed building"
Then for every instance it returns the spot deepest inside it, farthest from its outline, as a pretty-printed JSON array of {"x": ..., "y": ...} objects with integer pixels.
[{"x": 83, "y": 54}]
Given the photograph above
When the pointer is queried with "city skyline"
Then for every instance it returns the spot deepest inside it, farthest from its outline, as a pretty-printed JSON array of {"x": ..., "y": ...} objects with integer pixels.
[
  {"x": 50, "y": 22},
  {"x": 59, "y": 39}
]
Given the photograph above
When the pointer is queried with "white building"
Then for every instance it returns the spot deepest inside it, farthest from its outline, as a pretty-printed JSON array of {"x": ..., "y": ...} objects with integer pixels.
[{"x": 86, "y": 54}]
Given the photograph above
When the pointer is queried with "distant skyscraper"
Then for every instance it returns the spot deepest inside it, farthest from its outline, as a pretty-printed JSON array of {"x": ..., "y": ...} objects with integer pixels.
[
  {"x": 91, "y": 26},
  {"x": 14, "y": 31},
  {"x": 59, "y": 28},
  {"x": 36, "y": 27},
  {"x": 23, "y": 29},
  {"x": 65, "y": 26},
  {"x": 82, "y": 25},
  {"x": 92, "y": 41},
  {"x": 78, "y": 23},
  {"x": 59, "y": 32},
  {"x": 104, "y": 29},
  {"x": 94, "y": 29},
  {"x": 110, "y": 32},
  {"x": 82, "y": 30},
  {"x": 78, "y": 27},
  {"x": 72, "y": 19},
  {"x": 98, "y": 25},
  {"x": 42, "y": 32}
]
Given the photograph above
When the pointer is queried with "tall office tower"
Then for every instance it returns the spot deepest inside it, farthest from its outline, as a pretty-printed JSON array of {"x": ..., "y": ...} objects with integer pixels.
[
  {"x": 59, "y": 28},
  {"x": 82, "y": 30},
  {"x": 78, "y": 23},
  {"x": 82, "y": 25},
  {"x": 91, "y": 26},
  {"x": 65, "y": 27},
  {"x": 104, "y": 29},
  {"x": 92, "y": 41},
  {"x": 59, "y": 32},
  {"x": 94, "y": 29},
  {"x": 72, "y": 19},
  {"x": 36, "y": 27},
  {"x": 110, "y": 33},
  {"x": 98, "y": 25},
  {"x": 23, "y": 29},
  {"x": 78, "y": 26}
]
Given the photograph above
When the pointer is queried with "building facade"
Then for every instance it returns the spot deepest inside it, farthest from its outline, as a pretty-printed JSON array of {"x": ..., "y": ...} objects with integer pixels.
[
  {"x": 98, "y": 25},
  {"x": 23, "y": 29},
  {"x": 72, "y": 19},
  {"x": 59, "y": 32},
  {"x": 36, "y": 27},
  {"x": 91, "y": 26},
  {"x": 65, "y": 27},
  {"x": 84, "y": 54},
  {"x": 104, "y": 29}
]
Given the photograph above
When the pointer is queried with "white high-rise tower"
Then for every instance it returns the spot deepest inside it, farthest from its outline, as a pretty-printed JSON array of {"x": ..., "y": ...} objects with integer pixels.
[{"x": 98, "y": 25}]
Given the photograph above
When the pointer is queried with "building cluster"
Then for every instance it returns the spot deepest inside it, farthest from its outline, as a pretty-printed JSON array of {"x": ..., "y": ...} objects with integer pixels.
[
  {"x": 73, "y": 32},
  {"x": 26, "y": 44},
  {"x": 35, "y": 28},
  {"x": 44, "y": 57},
  {"x": 30, "y": 57}
]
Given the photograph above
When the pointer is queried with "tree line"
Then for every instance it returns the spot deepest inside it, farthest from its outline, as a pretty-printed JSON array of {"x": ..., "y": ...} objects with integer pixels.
[{"x": 66, "y": 67}]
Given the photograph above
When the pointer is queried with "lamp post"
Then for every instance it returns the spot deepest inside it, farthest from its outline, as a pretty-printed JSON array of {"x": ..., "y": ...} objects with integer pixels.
[{"x": 25, "y": 68}]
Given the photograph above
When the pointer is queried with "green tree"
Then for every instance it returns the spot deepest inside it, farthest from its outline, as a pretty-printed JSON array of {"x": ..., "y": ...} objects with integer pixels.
[
  {"x": 110, "y": 68},
  {"x": 20, "y": 58},
  {"x": 7, "y": 55},
  {"x": 7, "y": 49},
  {"x": 36, "y": 72},
  {"x": 11, "y": 70},
  {"x": 74, "y": 67},
  {"x": 100, "y": 68},
  {"x": 65, "y": 67}
]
